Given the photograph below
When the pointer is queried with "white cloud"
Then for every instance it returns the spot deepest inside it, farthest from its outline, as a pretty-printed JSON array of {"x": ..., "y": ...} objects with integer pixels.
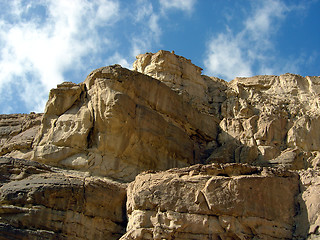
[
  {"x": 147, "y": 26},
  {"x": 38, "y": 48},
  {"x": 118, "y": 59},
  {"x": 144, "y": 9},
  {"x": 154, "y": 26},
  {"x": 245, "y": 53},
  {"x": 184, "y": 5},
  {"x": 226, "y": 57},
  {"x": 139, "y": 45},
  {"x": 264, "y": 21}
]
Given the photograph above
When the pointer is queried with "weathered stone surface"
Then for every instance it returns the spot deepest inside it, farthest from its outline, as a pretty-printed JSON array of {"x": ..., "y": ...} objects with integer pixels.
[
  {"x": 119, "y": 123},
  {"x": 270, "y": 120},
  {"x": 230, "y": 201},
  {"x": 262, "y": 117},
  {"x": 163, "y": 115},
  {"x": 17, "y": 132},
  {"x": 41, "y": 202},
  {"x": 308, "y": 220},
  {"x": 183, "y": 77}
]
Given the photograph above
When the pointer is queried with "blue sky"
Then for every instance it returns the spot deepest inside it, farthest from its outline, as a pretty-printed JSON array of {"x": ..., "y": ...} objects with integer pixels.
[{"x": 44, "y": 43}]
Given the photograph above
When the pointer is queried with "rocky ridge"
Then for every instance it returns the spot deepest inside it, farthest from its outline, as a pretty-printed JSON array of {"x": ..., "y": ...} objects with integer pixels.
[{"x": 244, "y": 157}]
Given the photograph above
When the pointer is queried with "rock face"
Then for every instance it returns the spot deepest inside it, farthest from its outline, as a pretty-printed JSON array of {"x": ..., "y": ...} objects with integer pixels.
[
  {"x": 271, "y": 120},
  {"x": 308, "y": 221},
  {"x": 213, "y": 202},
  {"x": 243, "y": 157},
  {"x": 119, "y": 123},
  {"x": 264, "y": 120},
  {"x": 17, "y": 133},
  {"x": 41, "y": 202}
]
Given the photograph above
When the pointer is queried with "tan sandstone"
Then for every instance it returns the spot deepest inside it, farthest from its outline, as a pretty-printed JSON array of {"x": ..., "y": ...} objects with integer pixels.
[
  {"x": 17, "y": 133},
  {"x": 163, "y": 115},
  {"x": 119, "y": 123},
  {"x": 271, "y": 120},
  {"x": 41, "y": 202},
  {"x": 231, "y": 201},
  {"x": 308, "y": 221}
]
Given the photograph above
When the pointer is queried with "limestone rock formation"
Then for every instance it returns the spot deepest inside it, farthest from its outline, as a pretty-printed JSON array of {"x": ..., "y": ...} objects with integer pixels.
[
  {"x": 264, "y": 120},
  {"x": 185, "y": 78},
  {"x": 119, "y": 123},
  {"x": 213, "y": 202},
  {"x": 244, "y": 157},
  {"x": 308, "y": 221},
  {"x": 41, "y": 202},
  {"x": 268, "y": 120},
  {"x": 17, "y": 133}
]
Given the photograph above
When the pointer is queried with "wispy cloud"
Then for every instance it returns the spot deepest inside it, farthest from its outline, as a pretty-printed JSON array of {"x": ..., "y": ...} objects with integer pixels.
[
  {"x": 117, "y": 58},
  {"x": 184, "y": 5},
  {"x": 148, "y": 32},
  {"x": 245, "y": 53},
  {"x": 42, "y": 40},
  {"x": 148, "y": 21}
]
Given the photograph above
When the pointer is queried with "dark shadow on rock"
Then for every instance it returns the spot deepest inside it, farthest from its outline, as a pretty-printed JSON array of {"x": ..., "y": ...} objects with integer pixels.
[{"x": 302, "y": 224}]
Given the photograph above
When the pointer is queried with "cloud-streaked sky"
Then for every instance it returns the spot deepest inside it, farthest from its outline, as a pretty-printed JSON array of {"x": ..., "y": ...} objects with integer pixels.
[{"x": 46, "y": 42}]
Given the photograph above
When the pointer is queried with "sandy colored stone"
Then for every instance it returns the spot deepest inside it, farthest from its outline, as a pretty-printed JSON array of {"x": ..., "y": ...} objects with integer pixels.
[
  {"x": 262, "y": 117},
  {"x": 17, "y": 133},
  {"x": 165, "y": 114},
  {"x": 36, "y": 199},
  {"x": 119, "y": 123},
  {"x": 269, "y": 116},
  {"x": 308, "y": 219},
  {"x": 180, "y": 74},
  {"x": 216, "y": 201}
]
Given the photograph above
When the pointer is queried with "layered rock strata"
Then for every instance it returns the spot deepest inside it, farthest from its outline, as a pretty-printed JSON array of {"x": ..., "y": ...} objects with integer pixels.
[
  {"x": 229, "y": 201},
  {"x": 308, "y": 220},
  {"x": 119, "y": 123},
  {"x": 263, "y": 120},
  {"x": 217, "y": 201},
  {"x": 165, "y": 115},
  {"x": 41, "y": 202},
  {"x": 17, "y": 133}
]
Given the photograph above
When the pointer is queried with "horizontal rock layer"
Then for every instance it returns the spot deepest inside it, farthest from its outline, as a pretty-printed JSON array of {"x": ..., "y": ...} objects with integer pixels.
[
  {"x": 41, "y": 202},
  {"x": 17, "y": 133},
  {"x": 213, "y": 202}
]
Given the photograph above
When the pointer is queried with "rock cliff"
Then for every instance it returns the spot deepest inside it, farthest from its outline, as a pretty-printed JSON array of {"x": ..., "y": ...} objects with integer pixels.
[
  {"x": 41, "y": 202},
  {"x": 164, "y": 152},
  {"x": 17, "y": 133},
  {"x": 212, "y": 202},
  {"x": 119, "y": 123}
]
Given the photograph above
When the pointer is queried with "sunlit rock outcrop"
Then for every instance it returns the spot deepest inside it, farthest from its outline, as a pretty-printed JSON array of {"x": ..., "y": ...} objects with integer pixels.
[
  {"x": 233, "y": 201},
  {"x": 17, "y": 133},
  {"x": 41, "y": 202},
  {"x": 118, "y": 123},
  {"x": 164, "y": 152}
]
